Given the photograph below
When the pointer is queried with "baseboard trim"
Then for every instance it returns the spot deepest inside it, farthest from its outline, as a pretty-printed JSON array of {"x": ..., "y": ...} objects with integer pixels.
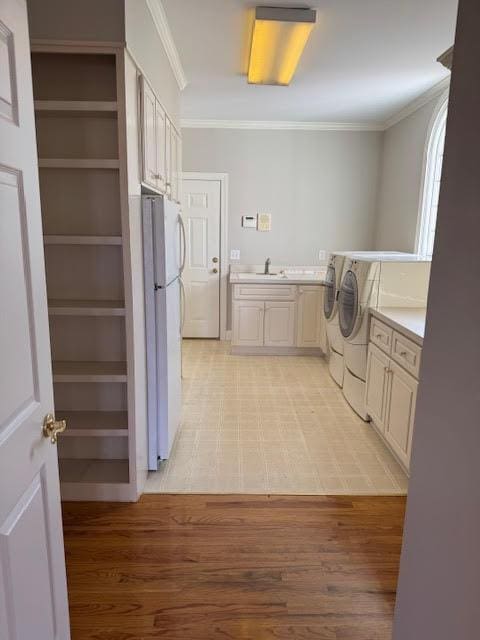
[
  {"x": 389, "y": 447},
  {"x": 276, "y": 351}
]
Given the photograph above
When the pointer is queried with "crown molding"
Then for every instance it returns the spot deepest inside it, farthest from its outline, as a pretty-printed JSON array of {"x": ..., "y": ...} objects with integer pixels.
[
  {"x": 163, "y": 28},
  {"x": 277, "y": 125},
  {"x": 289, "y": 125},
  {"x": 419, "y": 102}
]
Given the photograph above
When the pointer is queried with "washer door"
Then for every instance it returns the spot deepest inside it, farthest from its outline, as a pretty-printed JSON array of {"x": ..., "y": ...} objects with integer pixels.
[
  {"x": 329, "y": 295},
  {"x": 348, "y": 304}
]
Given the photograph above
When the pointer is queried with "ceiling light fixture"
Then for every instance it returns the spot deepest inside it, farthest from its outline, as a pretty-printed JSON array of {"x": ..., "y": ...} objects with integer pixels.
[{"x": 279, "y": 38}]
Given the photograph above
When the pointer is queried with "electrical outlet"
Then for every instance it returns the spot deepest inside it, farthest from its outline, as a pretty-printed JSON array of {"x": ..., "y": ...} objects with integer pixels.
[
  {"x": 322, "y": 255},
  {"x": 235, "y": 254}
]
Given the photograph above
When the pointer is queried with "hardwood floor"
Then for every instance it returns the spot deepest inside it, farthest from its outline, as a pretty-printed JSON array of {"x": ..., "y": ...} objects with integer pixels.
[{"x": 196, "y": 567}]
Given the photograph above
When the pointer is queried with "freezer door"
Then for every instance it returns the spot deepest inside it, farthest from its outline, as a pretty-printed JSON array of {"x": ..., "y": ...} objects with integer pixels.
[
  {"x": 167, "y": 240},
  {"x": 169, "y": 358}
]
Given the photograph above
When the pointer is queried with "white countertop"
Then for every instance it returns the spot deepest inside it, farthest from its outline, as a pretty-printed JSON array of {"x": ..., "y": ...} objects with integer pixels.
[
  {"x": 409, "y": 321},
  {"x": 292, "y": 275}
]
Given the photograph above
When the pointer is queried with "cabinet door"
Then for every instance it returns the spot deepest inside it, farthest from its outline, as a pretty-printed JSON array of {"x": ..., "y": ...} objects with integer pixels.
[
  {"x": 401, "y": 412},
  {"x": 179, "y": 169},
  {"x": 168, "y": 157},
  {"x": 149, "y": 136},
  {"x": 280, "y": 324},
  {"x": 174, "y": 160},
  {"x": 309, "y": 315},
  {"x": 377, "y": 385},
  {"x": 247, "y": 323},
  {"x": 160, "y": 148}
]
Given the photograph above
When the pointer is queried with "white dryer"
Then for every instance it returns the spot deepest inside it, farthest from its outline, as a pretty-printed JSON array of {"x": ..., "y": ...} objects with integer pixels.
[{"x": 395, "y": 280}]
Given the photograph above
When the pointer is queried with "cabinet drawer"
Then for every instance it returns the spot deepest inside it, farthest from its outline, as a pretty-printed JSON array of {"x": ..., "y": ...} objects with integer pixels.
[
  {"x": 279, "y": 292},
  {"x": 406, "y": 353},
  {"x": 381, "y": 335}
]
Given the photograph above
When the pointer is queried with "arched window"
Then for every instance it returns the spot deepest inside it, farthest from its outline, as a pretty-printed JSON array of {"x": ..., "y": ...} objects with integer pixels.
[{"x": 432, "y": 179}]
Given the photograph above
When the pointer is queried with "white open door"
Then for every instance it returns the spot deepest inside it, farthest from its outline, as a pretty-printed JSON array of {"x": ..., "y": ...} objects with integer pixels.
[
  {"x": 201, "y": 276},
  {"x": 33, "y": 593}
]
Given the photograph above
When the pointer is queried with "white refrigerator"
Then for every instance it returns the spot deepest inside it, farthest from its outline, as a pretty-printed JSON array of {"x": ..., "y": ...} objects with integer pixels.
[{"x": 164, "y": 254}]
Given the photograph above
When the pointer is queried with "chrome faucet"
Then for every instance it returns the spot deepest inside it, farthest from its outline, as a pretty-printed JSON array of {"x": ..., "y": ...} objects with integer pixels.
[{"x": 267, "y": 267}]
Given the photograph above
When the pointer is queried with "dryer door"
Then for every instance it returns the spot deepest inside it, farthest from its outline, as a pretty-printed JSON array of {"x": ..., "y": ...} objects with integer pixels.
[
  {"x": 330, "y": 291},
  {"x": 348, "y": 307}
]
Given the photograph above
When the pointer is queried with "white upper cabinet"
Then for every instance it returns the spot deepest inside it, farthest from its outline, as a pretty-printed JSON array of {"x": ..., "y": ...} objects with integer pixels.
[
  {"x": 149, "y": 136},
  {"x": 176, "y": 161},
  {"x": 168, "y": 157},
  {"x": 161, "y": 144}
]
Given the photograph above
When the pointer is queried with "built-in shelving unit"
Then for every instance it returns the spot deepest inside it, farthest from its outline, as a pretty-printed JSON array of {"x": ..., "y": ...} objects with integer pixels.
[
  {"x": 86, "y": 307},
  {"x": 79, "y": 134},
  {"x": 98, "y": 240},
  {"x": 77, "y": 163},
  {"x": 75, "y": 106}
]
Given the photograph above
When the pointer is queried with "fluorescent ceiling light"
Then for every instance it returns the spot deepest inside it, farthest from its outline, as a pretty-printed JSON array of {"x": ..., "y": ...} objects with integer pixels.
[{"x": 278, "y": 40}]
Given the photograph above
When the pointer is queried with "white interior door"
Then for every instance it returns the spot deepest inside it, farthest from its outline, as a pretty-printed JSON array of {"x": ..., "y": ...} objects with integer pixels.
[
  {"x": 201, "y": 214},
  {"x": 33, "y": 594}
]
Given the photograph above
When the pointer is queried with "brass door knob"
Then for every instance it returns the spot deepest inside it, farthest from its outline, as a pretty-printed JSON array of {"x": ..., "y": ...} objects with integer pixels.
[
  {"x": 214, "y": 270},
  {"x": 51, "y": 428},
  {"x": 215, "y": 260}
]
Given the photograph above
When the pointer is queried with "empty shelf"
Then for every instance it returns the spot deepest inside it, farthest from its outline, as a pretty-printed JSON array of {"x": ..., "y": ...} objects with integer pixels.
[
  {"x": 89, "y": 371},
  {"x": 86, "y": 307},
  {"x": 71, "y": 107},
  {"x": 94, "y": 423},
  {"x": 90, "y": 240},
  {"x": 93, "y": 471},
  {"x": 77, "y": 163}
]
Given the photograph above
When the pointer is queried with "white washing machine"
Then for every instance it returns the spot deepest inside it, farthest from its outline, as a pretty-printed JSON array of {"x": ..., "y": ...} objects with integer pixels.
[
  {"x": 333, "y": 279},
  {"x": 395, "y": 280}
]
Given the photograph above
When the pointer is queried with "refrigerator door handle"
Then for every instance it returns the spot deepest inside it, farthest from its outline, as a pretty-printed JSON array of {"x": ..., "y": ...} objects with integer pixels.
[
  {"x": 184, "y": 242},
  {"x": 183, "y": 301}
]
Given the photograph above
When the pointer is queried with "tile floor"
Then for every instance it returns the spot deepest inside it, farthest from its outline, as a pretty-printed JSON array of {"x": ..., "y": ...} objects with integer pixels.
[{"x": 262, "y": 424}]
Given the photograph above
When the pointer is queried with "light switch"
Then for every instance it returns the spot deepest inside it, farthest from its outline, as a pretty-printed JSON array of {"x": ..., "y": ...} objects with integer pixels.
[
  {"x": 235, "y": 254},
  {"x": 322, "y": 255}
]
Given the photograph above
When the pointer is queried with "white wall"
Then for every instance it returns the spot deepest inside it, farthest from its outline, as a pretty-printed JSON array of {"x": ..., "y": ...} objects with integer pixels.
[
  {"x": 145, "y": 46},
  {"x": 319, "y": 186},
  {"x": 400, "y": 185},
  {"x": 439, "y": 585}
]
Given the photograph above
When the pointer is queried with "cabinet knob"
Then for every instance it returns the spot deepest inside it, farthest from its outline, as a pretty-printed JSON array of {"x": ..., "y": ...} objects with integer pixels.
[{"x": 214, "y": 270}]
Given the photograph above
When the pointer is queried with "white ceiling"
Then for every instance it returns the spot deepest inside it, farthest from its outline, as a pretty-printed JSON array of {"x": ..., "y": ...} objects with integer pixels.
[{"x": 365, "y": 60}]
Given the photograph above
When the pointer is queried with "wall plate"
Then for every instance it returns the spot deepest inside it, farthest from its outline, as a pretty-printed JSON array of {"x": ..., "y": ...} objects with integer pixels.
[{"x": 264, "y": 222}]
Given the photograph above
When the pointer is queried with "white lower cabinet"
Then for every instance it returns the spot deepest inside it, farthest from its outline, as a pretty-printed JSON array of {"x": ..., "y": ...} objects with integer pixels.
[
  {"x": 248, "y": 323},
  {"x": 391, "y": 395},
  {"x": 279, "y": 330},
  {"x": 401, "y": 412},
  {"x": 281, "y": 316},
  {"x": 377, "y": 386},
  {"x": 310, "y": 316}
]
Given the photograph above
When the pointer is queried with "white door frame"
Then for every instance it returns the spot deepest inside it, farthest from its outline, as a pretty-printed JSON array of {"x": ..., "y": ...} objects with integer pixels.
[{"x": 223, "y": 179}]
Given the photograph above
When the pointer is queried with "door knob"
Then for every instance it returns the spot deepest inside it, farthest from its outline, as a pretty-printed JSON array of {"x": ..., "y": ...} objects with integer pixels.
[
  {"x": 215, "y": 260},
  {"x": 214, "y": 270},
  {"x": 52, "y": 427}
]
